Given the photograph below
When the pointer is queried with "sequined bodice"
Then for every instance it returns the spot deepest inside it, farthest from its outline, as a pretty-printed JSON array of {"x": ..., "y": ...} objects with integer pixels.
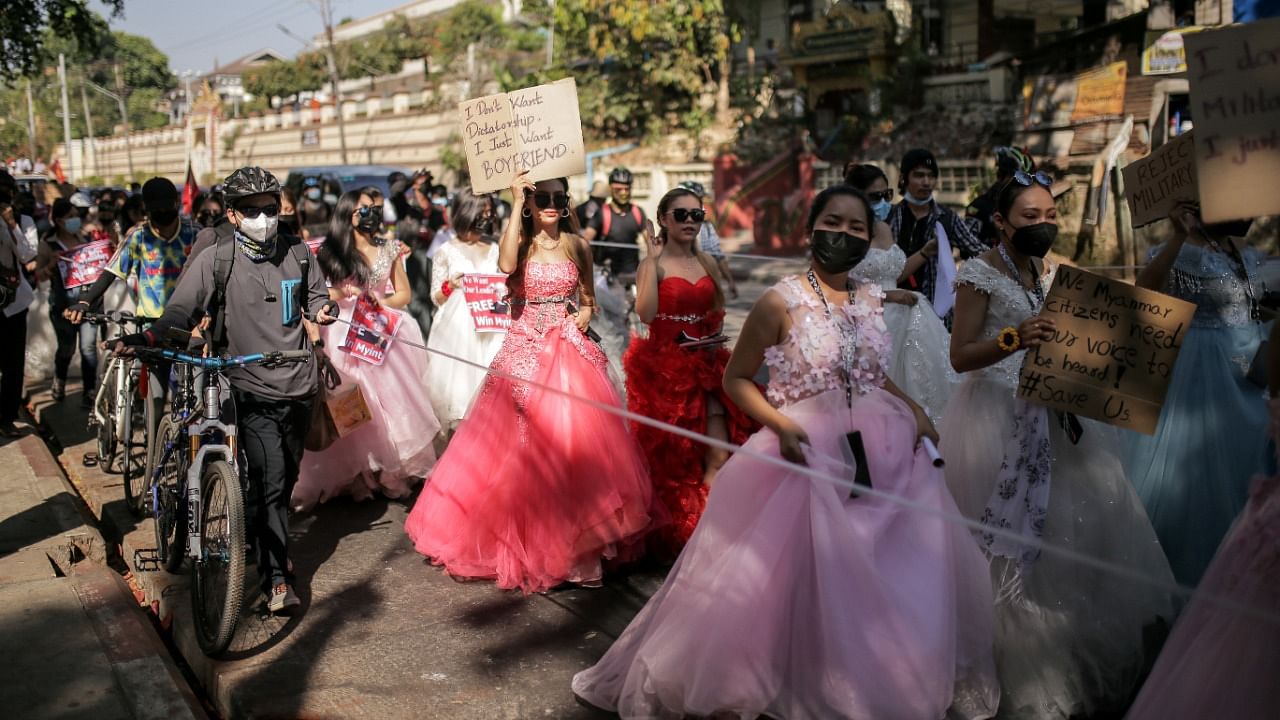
[
  {"x": 810, "y": 360},
  {"x": 686, "y": 306},
  {"x": 882, "y": 267},
  {"x": 1007, "y": 306},
  {"x": 1212, "y": 281},
  {"x": 383, "y": 267},
  {"x": 548, "y": 287}
]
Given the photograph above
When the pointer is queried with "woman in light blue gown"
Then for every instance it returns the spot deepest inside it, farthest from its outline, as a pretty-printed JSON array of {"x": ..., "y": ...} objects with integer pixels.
[{"x": 1193, "y": 473}]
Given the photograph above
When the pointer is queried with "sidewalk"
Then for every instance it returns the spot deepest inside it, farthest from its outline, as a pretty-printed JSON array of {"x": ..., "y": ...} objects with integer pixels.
[
  {"x": 381, "y": 633},
  {"x": 74, "y": 641}
]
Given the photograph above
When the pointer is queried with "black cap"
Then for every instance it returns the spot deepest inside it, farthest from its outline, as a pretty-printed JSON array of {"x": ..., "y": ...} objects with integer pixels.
[
  {"x": 917, "y": 158},
  {"x": 159, "y": 194}
]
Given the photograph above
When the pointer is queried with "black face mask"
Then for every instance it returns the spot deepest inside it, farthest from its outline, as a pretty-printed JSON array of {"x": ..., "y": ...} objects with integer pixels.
[
  {"x": 838, "y": 252},
  {"x": 371, "y": 224},
  {"x": 289, "y": 222},
  {"x": 1230, "y": 228},
  {"x": 1034, "y": 240},
  {"x": 162, "y": 217},
  {"x": 485, "y": 225}
]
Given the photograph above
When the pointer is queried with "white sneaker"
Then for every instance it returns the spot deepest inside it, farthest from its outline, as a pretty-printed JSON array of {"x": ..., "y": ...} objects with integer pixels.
[{"x": 282, "y": 599}]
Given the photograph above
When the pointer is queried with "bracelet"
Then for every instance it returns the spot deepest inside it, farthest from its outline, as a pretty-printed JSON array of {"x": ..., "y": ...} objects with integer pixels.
[
  {"x": 446, "y": 289},
  {"x": 1009, "y": 340}
]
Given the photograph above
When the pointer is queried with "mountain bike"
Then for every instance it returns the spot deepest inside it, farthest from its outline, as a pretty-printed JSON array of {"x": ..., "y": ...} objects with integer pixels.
[
  {"x": 197, "y": 487},
  {"x": 115, "y": 419}
]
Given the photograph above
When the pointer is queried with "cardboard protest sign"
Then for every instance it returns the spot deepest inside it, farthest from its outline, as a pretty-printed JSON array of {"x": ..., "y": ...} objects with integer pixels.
[
  {"x": 1113, "y": 353},
  {"x": 536, "y": 129},
  {"x": 371, "y": 331},
  {"x": 348, "y": 408},
  {"x": 84, "y": 264},
  {"x": 486, "y": 299},
  {"x": 1235, "y": 103},
  {"x": 1155, "y": 184}
]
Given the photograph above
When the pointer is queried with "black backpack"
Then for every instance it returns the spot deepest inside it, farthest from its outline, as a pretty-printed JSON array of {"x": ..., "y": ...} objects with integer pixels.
[
  {"x": 224, "y": 257},
  {"x": 10, "y": 272}
]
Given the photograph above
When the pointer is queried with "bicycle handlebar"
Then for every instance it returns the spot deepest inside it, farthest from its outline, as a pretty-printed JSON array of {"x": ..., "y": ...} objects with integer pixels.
[
  {"x": 118, "y": 317},
  {"x": 275, "y": 357}
]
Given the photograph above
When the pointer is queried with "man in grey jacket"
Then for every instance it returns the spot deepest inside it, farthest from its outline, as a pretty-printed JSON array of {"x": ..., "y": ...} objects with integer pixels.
[{"x": 270, "y": 284}]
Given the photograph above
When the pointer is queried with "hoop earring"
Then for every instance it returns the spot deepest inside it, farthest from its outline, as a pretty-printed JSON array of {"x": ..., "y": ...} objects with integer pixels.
[
  {"x": 564, "y": 213},
  {"x": 526, "y": 212}
]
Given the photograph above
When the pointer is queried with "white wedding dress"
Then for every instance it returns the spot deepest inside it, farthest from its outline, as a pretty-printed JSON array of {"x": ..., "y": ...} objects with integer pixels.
[
  {"x": 450, "y": 383},
  {"x": 921, "y": 364},
  {"x": 1071, "y": 639}
]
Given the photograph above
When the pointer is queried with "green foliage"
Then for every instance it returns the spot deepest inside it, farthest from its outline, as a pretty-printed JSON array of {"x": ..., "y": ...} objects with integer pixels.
[{"x": 26, "y": 26}]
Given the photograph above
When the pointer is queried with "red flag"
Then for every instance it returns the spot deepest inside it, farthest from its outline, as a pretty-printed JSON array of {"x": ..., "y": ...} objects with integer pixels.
[{"x": 189, "y": 190}]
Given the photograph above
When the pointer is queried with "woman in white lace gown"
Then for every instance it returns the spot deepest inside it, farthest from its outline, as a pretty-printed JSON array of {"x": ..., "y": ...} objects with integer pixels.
[
  {"x": 452, "y": 383},
  {"x": 1069, "y": 637}
]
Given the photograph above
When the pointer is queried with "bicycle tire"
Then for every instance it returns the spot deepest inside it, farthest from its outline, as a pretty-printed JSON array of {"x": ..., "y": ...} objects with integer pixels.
[
  {"x": 108, "y": 441},
  {"x": 217, "y": 583},
  {"x": 168, "y": 501},
  {"x": 135, "y": 479}
]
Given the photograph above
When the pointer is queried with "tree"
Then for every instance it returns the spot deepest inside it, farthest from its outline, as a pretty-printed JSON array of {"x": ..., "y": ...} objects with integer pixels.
[{"x": 23, "y": 27}]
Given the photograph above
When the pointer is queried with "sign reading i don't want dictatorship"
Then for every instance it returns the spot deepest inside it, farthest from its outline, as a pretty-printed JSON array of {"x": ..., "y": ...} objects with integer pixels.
[
  {"x": 536, "y": 129},
  {"x": 1113, "y": 350}
]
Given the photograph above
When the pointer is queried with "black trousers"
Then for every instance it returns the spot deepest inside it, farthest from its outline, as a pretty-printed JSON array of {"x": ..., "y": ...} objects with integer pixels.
[
  {"x": 272, "y": 433},
  {"x": 13, "y": 361},
  {"x": 69, "y": 336}
]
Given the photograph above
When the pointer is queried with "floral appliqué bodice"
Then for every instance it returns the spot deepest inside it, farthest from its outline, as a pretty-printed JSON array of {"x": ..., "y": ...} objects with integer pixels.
[
  {"x": 1212, "y": 281},
  {"x": 380, "y": 273},
  {"x": 882, "y": 267},
  {"x": 686, "y": 306},
  {"x": 1008, "y": 305},
  {"x": 811, "y": 360}
]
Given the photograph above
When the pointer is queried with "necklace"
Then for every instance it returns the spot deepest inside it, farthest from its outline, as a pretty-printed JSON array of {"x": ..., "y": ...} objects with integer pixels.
[
  {"x": 547, "y": 245},
  {"x": 847, "y": 343},
  {"x": 1240, "y": 269},
  {"x": 1037, "y": 288}
]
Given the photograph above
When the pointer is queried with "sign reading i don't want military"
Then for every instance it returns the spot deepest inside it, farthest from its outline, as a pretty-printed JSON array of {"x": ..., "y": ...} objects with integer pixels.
[{"x": 536, "y": 129}]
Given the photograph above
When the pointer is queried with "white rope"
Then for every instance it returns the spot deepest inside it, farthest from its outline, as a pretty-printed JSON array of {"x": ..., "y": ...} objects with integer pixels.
[{"x": 777, "y": 461}]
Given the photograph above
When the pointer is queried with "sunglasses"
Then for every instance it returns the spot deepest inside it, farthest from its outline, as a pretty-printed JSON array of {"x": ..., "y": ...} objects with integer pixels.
[
  {"x": 545, "y": 200},
  {"x": 886, "y": 195},
  {"x": 686, "y": 215},
  {"x": 254, "y": 212},
  {"x": 365, "y": 210},
  {"x": 1025, "y": 179}
]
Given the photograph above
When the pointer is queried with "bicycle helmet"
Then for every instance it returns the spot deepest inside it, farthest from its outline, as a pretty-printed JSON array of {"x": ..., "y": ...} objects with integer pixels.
[
  {"x": 1010, "y": 160},
  {"x": 249, "y": 181},
  {"x": 694, "y": 187},
  {"x": 620, "y": 175}
]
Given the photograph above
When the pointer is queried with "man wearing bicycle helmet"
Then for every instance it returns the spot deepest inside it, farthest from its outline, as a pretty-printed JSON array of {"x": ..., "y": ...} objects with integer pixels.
[
  {"x": 621, "y": 223},
  {"x": 257, "y": 284}
]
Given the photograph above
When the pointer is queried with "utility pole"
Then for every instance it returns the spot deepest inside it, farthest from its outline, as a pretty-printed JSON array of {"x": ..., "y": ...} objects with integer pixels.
[
  {"x": 124, "y": 118},
  {"x": 88, "y": 122},
  {"x": 551, "y": 33},
  {"x": 31, "y": 123},
  {"x": 326, "y": 15},
  {"x": 66, "y": 115}
]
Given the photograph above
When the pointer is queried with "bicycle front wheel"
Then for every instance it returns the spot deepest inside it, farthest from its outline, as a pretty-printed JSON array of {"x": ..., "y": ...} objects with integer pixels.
[
  {"x": 217, "y": 588},
  {"x": 136, "y": 475},
  {"x": 164, "y": 492},
  {"x": 108, "y": 441}
]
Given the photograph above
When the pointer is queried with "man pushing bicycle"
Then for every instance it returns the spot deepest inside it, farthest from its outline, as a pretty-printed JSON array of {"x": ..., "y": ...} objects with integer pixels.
[{"x": 256, "y": 285}]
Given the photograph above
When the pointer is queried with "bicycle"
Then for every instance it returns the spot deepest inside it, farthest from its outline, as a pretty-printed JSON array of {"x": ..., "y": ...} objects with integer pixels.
[
  {"x": 113, "y": 418},
  {"x": 197, "y": 489}
]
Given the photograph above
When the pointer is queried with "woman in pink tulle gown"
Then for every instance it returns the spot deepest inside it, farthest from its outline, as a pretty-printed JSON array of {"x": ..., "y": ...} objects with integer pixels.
[
  {"x": 793, "y": 599},
  {"x": 537, "y": 487}
]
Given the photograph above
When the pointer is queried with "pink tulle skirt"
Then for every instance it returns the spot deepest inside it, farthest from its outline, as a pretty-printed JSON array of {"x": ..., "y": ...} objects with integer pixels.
[
  {"x": 792, "y": 600},
  {"x": 536, "y": 488},
  {"x": 390, "y": 454}
]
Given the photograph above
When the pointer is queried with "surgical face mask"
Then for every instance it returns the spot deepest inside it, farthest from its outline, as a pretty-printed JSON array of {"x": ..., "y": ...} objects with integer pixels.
[
  {"x": 838, "y": 252},
  {"x": 912, "y": 199},
  {"x": 1034, "y": 240},
  {"x": 881, "y": 208},
  {"x": 261, "y": 229},
  {"x": 71, "y": 224},
  {"x": 314, "y": 193},
  {"x": 163, "y": 217},
  {"x": 485, "y": 225}
]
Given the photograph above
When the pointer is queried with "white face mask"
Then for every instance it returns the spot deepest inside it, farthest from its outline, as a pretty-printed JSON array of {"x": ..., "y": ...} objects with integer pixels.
[
  {"x": 259, "y": 229},
  {"x": 72, "y": 225}
]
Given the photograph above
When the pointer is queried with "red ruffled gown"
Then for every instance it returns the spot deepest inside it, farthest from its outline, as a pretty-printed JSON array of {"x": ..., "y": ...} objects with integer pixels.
[
  {"x": 537, "y": 487},
  {"x": 671, "y": 384}
]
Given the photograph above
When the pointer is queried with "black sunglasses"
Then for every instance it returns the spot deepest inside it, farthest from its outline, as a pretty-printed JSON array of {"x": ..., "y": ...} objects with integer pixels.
[
  {"x": 687, "y": 215},
  {"x": 886, "y": 195},
  {"x": 546, "y": 200},
  {"x": 253, "y": 212},
  {"x": 1025, "y": 179},
  {"x": 365, "y": 210}
]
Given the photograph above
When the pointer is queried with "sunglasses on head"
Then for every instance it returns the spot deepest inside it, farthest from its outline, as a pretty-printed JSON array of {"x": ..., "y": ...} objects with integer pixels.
[
  {"x": 1025, "y": 179},
  {"x": 253, "y": 212},
  {"x": 687, "y": 215},
  {"x": 545, "y": 200},
  {"x": 886, "y": 195}
]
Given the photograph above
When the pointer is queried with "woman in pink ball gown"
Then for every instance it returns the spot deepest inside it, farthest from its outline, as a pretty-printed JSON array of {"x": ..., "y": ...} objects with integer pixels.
[{"x": 538, "y": 486}]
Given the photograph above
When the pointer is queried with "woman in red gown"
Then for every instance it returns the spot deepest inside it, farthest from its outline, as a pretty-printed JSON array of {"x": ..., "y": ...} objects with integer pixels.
[
  {"x": 538, "y": 487},
  {"x": 678, "y": 294}
]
